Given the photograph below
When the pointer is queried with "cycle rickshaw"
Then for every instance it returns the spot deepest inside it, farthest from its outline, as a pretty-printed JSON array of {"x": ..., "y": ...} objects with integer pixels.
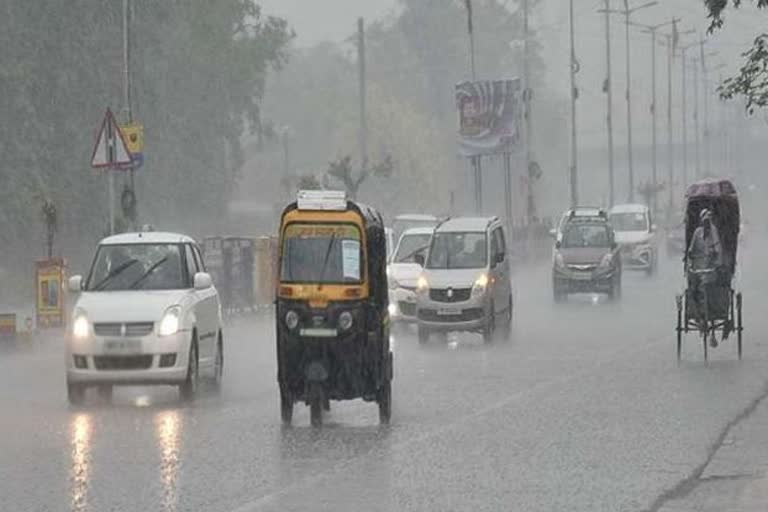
[{"x": 709, "y": 304}]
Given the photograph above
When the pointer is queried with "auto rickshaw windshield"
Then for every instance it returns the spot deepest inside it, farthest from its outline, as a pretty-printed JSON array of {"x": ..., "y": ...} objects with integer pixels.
[{"x": 321, "y": 253}]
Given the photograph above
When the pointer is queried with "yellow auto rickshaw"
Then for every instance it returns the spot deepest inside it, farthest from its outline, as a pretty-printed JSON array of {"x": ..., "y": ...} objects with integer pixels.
[{"x": 332, "y": 308}]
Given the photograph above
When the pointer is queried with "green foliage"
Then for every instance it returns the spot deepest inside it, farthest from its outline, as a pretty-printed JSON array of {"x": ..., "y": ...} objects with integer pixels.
[
  {"x": 752, "y": 80},
  {"x": 198, "y": 75}
]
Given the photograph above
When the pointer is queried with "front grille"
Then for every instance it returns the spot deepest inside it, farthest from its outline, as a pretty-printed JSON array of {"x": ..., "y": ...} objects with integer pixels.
[
  {"x": 122, "y": 362},
  {"x": 455, "y": 294},
  {"x": 466, "y": 315},
  {"x": 585, "y": 267},
  {"x": 132, "y": 329},
  {"x": 407, "y": 308}
]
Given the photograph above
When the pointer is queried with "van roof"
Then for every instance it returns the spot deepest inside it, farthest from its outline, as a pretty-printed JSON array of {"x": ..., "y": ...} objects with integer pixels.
[
  {"x": 466, "y": 224},
  {"x": 150, "y": 237}
]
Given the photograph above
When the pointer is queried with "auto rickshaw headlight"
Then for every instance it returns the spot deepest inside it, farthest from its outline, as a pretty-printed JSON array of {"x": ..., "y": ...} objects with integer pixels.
[
  {"x": 291, "y": 319},
  {"x": 345, "y": 320}
]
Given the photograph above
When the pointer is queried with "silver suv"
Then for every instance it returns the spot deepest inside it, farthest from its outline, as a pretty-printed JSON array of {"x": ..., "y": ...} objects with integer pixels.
[{"x": 465, "y": 285}]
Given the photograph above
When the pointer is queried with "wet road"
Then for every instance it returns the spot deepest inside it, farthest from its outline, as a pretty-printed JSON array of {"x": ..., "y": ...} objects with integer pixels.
[{"x": 583, "y": 409}]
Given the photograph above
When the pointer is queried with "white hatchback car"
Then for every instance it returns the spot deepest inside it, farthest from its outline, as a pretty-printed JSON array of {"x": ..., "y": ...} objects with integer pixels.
[
  {"x": 636, "y": 236},
  {"x": 147, "y": 313},
  {"x": 403, "y": 272}
]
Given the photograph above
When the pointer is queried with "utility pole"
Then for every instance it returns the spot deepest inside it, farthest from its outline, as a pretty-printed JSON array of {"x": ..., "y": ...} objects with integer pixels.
[
  {"x": 475, "y": 160},
  {"x": 671, "y": 44},
  {"x": 627, "y": 13},
  {"x": 362, "y": 92},
  {"x": 527, "y": 106},
  {"x": 609, "y": 99},
  {"x": 697, "y": 136},
  {"x": 684, "y": 74},
  {"x": 574, "y": 92}
]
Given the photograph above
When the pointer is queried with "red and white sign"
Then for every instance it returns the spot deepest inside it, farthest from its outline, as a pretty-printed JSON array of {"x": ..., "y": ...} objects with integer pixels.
[{"x": 111, "y": 149}]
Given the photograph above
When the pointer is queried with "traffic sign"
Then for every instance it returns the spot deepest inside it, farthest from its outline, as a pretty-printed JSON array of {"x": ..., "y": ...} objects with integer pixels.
[
  {"x": 134, "y": 136},
  {"x": 111, "y": 149}
]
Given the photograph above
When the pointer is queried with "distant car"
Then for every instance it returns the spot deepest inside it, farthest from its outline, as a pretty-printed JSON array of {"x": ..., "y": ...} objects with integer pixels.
[
  {"x": 572, "y": 213},
  {"x": 403, "y": 272},
  {"x": 146, "y": 313},
  {"x": 406, "y": 221},
  {"x": 676, "y": 238},
  {"x": 636, "y": 236},
  {"x": 465, "y": 285},
  {"x": 586, "y": 259}
]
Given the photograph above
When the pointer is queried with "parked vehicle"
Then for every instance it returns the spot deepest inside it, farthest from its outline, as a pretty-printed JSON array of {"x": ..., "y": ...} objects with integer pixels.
[
  {"x": 466, "y": 284},
  {"x": 403, "y": 272},
  {"x": 635, "y": 234},
  {"x": 586, "y": 258},
  {"x": 146, "y": 313},
  {"x": 332, "y": 306}
]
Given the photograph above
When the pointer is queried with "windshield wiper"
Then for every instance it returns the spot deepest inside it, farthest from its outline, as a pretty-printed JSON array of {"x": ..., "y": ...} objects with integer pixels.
[
  {"x": 325, "y": 261},
  {"x": 147, "y": 273},
  {"x": 116, "y": 271},
  {"x": 411, "y": 254}
]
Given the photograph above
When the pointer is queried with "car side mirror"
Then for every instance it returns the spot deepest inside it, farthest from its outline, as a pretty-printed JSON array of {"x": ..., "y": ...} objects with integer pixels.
[
  {"x": 499, "y": 257},
  {"x": 203, "y": 281},
  {"x": 75, "y": 284},
  {"x": 419, "y": 259},
  {"x": 558, "y": 244}
]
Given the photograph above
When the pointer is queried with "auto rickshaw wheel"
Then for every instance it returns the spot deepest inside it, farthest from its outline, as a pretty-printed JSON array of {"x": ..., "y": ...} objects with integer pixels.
[
  {"x": 316, "y": 401},
  {"x": 423, "y": 334},
  {"x": 286, "y": 408},
  {"x": 385, "y": 402}
]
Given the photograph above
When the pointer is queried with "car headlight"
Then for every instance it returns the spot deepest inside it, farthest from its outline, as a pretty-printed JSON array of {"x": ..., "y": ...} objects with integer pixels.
[
  {"x": 422, "y": 285},
  {"x": 81, "y": 328},
  {"x": 171, "y": 321},
  {"x": 291, "y": 319},
  {"x": 345, "y": 320},
  {"x": 481, "y": 284},
  {"x": 606, "y": 261}
]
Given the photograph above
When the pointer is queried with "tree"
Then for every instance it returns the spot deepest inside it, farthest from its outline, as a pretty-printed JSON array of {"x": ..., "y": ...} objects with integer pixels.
[
  {"x": 341, "y": 171},
  {"x": 752, "y": 79}
]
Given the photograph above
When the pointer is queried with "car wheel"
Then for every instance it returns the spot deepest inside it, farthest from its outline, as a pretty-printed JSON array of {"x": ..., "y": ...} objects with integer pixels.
[
  {"x": 75, "y": 393},
  {"x": 218, "y": 365},
  {"x": 105, "y": 392},
  {"x": 188, "y": 388},
  {"x": 316, "y": 400},
  {"x": 423, "y": 334},
  {"x": 490, "y": 326}
]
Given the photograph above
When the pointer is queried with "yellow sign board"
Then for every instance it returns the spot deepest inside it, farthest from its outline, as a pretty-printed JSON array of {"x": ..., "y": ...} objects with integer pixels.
[
  {"x": 7, "y": 325},
  {"x": 50, "y": 289},
  {"x": 133, "y": 134}
]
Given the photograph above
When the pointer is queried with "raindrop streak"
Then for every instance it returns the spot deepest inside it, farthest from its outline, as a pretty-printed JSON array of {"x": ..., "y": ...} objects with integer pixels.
[
  {"x": 81, "y": 430},
  {"x": 168, "y": 429}
]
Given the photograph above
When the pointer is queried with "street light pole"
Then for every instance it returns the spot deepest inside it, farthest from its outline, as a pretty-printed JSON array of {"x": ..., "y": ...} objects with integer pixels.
[
  {"x": 627, "y": 13},
  {"x": 684, "y": 73},
  {"x": 609, "y": 100},
  {"x": 696, "y": 116},
  {"x": 574, "y": 150}
]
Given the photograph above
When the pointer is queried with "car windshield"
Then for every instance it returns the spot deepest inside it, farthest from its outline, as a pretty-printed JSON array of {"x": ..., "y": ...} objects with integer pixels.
[
  {"x": 458, "y": 250},
  {"x": 321, "y": 253},
  {"x": 585, "y": 235},
  {"x": 137, "y": 267},
  {"x": 410, "y": 246},
  {"x": 629, "y": 221}
]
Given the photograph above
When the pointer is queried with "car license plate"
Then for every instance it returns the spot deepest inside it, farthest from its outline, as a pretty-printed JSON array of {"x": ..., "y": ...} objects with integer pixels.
[
  {"x": 122, "y": 346},
  {"x": 318, "y": 333},
  {"x": 582, "y": 276},
  {"x": 448, "y": 311}
]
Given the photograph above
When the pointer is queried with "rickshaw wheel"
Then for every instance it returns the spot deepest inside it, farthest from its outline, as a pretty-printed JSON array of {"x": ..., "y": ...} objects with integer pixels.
[
  {"x": 678, "y": 301},
  {"x": 705, "y": 340},
  {"x": 316, "y": 405},
  {"x": 286, "y": 408},
  {"x": 739, "y": 327},
  {"x": 385, "y": 402}
]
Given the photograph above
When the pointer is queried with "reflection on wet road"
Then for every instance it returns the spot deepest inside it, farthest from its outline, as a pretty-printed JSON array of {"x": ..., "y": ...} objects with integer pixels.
[{"x": 582, "y": 409}]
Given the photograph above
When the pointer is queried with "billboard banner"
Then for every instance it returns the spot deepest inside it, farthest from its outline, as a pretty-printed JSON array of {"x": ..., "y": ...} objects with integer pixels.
[
  {"x": 50, "y": 277},
  {"x": 490, "y": 117}
]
